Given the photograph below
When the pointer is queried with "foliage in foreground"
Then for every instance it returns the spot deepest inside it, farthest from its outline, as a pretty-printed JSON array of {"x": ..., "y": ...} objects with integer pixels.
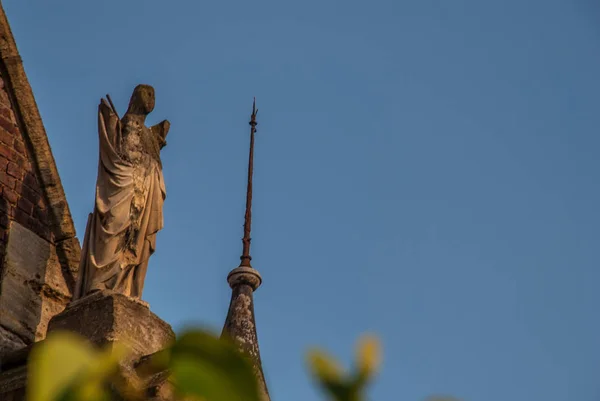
[{"x": 65, "y": 367}]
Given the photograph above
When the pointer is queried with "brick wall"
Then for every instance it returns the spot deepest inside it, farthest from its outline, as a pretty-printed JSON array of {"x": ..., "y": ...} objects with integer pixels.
[
  {"x": 30, "y": 269},
  {"x": 22, "y": 200},
  {"x": 39, "y": 253}
]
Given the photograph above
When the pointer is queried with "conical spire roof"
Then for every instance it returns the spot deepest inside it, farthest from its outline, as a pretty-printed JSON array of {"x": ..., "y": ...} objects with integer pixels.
[{"x": 240, "y": 324}]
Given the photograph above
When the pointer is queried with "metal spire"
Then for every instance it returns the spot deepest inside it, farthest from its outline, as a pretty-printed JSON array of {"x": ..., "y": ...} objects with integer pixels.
[
  {"x": 240, "y": 323},
  {"x": 246, "y": 258}
]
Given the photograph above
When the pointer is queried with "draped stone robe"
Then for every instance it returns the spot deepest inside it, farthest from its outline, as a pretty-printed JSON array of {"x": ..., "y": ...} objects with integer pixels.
[{"x": 121, "y": 232}]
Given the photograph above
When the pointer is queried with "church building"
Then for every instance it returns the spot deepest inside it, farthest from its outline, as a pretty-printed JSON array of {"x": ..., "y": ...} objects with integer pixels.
[{"x": 40, "y": 254}]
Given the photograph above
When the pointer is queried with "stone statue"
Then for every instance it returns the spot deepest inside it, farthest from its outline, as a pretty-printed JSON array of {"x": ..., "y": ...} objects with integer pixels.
[{"x": 121, "y": 232}]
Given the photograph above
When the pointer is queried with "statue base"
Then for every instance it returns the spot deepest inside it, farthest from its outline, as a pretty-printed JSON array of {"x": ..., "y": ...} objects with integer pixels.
[{"x": 107, "y": 317}]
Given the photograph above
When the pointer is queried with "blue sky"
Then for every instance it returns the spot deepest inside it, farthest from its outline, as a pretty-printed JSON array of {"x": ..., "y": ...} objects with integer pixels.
[{"x": 425, "y": 170}]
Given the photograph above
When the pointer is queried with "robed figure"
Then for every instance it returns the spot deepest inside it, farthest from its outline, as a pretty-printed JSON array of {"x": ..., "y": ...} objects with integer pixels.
[{"x": 121, "y": 233}]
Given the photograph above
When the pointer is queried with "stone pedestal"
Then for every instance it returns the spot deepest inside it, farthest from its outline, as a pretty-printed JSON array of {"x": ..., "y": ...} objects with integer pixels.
[{"x": 106, "y": 317}]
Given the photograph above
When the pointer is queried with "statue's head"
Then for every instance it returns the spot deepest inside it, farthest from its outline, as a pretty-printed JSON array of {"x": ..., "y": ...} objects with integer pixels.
[{"x": 142, "y": 100}]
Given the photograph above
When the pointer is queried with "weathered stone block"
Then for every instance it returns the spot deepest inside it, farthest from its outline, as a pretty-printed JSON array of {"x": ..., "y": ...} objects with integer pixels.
[
  {"x": 33, "y": 288},
  {"x": 106, "y": 317},
  {"x": 13, "y": 383},
  {"x": 9, "y": 342}
]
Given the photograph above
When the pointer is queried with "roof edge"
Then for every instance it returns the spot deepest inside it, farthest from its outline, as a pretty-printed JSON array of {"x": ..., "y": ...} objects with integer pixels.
[
  {"x": 240, "y": 323},
  {"x": 32, "y": 129}
]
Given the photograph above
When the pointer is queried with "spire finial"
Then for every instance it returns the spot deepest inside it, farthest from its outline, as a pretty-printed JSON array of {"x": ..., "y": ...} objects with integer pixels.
[
  {"x": 246, "y": 258},
  {"x": 240, "y": 324}
]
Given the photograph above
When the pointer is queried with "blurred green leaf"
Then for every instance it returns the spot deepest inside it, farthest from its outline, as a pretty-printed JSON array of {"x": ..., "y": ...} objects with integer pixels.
[
  {"x": 330, "y": 375},
  {"x": 65, "y": 367},
  {"x": 66, "y": 350},
  {"x": 368, "y": 359},
  {"x": 340, "y": 385},
  {"x": 324, "y": 366},
  {"x": 156, "y": 363},
  {"x": 205, "y": 366},
  {"x": 368, "y": 356}
]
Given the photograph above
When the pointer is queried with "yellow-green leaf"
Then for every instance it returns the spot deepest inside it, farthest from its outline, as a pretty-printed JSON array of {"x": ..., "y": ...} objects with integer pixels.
[
  {"x": 330, "y": 376},
  {"x": 204, "y": 366},
  {"x": 107, "y": 362},
  {"x": 368, "y": 356},
  {"x": 66, "y": 367},
  {"x": 154, "y": 364},
  {"x": 92, "y": 382},
  {"x": 324, "y": 366},
  {"x": 54, "y": 364}
]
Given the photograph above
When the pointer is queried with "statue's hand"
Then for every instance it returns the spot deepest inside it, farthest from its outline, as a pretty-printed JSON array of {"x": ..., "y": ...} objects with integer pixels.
[
  {"x": 111, "y": 122},
  {"x": 161, "y": 130},
  {"x": 107, "y": 110},
  {"x": 166, "y": 126}
]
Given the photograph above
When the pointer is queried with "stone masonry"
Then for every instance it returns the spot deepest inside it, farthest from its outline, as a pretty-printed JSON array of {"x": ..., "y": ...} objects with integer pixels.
[{"x": 39, "y": 252}]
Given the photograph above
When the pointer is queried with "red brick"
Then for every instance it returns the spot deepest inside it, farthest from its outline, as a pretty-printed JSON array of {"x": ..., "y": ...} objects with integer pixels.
[
  {"x": 4, "y": 98},
  {"x": 25, "y": 205},
  {"x": 41, "y": 214},
  {"x": 31, "y": 181},
  {"x": 21, "y": 161},
  {"x": 6, "y": 137},
  {"x": 9, "y": 126},
  {"x": 19, "y": 146},
  {"x": 41, "y": 229},
  {"x": 23, "y": 218},
  {"x": 10, "y": 196},
  {"x": 7, "y": 152},
  {"x": 3, "y": 163},
  {"x": 29, "y": 194},
  {"x": 14, "y": 170},
  {"x": 7, "y": 113},
  {"x": 4, "y": 220},
  {"x": 7, "y": 209},
  {"x": 18, "y": 186},
  {"x": 7, "y": 181}
]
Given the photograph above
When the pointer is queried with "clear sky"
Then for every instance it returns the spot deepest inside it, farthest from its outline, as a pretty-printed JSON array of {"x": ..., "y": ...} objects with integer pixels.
[{"x": 425, "y": 170}]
